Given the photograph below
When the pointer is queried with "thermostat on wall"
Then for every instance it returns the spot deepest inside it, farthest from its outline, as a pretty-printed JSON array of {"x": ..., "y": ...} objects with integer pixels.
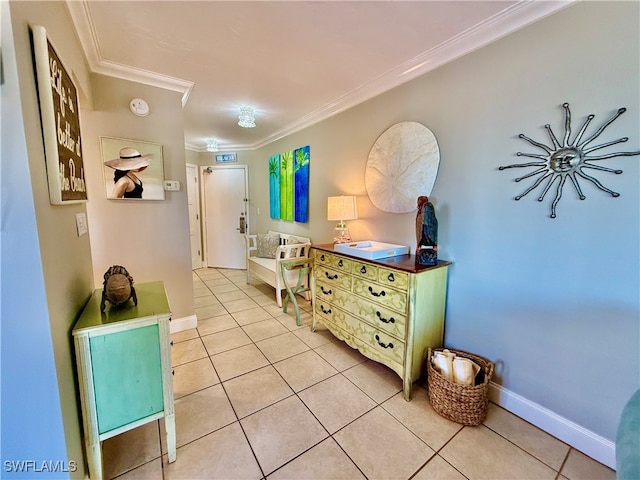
[{"x": 171, "y": 185}]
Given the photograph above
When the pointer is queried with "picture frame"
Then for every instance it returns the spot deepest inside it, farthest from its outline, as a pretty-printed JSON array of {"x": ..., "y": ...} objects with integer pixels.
[
  {"x": 151, "y": 178},
  {"x": 60, "y": 123},
  {"x": 226, "y": 158}
]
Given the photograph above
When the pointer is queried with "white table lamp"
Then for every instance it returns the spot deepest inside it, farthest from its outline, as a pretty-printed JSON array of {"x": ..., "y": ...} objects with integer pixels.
[{"x": 342, "y": 208}]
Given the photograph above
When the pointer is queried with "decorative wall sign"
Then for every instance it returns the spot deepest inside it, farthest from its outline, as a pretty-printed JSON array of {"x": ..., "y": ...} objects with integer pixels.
[
  {"x": 402, "y": 165},
  {"x": 60, "y": 124},
  {"x": 289, "y": 185},
  {"x": 569, "y": 159},
  {"x": 151, "y": 177}
]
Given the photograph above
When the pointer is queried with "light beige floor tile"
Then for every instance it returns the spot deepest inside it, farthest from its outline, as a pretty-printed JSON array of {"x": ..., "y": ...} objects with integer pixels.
[
  {"x": 281, "y": 347},
  {"x": 216, "y": 324},
  {"x": 131, "y": 449},
  {"x": 340, "y": 355},
  {"x": 193, "y": 376},
  {"x": 210, "y": 311},
  {"x": 581, "y": 467},
  {"x": 273, "y": 308},
  {"x": 220, "y": 281},
  {"x": 314, "y": 339},
  {"x": 205, "y": 301},
  {"x": 382, "y": 447},
  {"x": 264, "y": 329},
  {"x": 198, "y": 415},
  {"x": 528, "y": 437},
  {"x": 282, "y": 431},
  {"x": 376, "y": 380},
  {"x": 223, "y": 454},
  {"x": 208, "y": 273},
  {"x": 235, "y": 274},
  {"x": 187, "y": 351},
  {"x": 238, "y": 361},
  {"x": 201, "y": 291},
  {"x": 153, "y": 469},
  {"x": 249, "y": 290},
  {"x": 324, "y": 461},
  {"x": 224, "y": 288},
  {"x": 233, "y": 295},
  {"x": 263, "y": 299},
  {"x": 189, "y": 334},
  {"x": 289, "y": 321},
  {"x": 477, "y": 452},
  {"x": 255, "y": 390},
  {"x": 419, "y": 417},
  {"x": 305, "y": 369},
  {"x": 336, "y": 402},
  {"x": 234, "y": 306},
  {"x": 438, "y": 469},
  {"x": 226, "y": 340},
  {"x": 252, "y": 315}
]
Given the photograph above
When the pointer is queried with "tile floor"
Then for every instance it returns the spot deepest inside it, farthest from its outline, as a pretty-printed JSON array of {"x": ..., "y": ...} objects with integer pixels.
[{"x": 257, "y": 397}]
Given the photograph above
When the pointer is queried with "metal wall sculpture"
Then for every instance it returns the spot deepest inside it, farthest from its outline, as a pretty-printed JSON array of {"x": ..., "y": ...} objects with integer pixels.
[{"x": 569, "y": 159}]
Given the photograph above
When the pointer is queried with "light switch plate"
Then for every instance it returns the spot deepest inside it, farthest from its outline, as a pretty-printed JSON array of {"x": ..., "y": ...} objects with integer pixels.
[
  {"x": 171, "y": 185},
  {"x": 81, "y": 223}
]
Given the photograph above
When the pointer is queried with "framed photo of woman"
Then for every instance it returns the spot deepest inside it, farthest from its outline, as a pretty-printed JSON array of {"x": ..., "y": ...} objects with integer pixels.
[{"x": 133, "y": 169}]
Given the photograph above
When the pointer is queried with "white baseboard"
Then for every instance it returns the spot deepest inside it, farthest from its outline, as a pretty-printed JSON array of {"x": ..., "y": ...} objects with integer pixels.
[
  {"x": 184, "y": 323},
  {"x": 591, "y": 444}
]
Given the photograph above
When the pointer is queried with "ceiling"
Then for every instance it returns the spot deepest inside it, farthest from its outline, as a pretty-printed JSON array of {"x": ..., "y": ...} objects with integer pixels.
[{"x": 295, "y": 62}]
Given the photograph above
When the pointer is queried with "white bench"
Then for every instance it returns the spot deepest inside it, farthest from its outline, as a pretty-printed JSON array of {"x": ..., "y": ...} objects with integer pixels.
[{"x": 268, "y": 269}]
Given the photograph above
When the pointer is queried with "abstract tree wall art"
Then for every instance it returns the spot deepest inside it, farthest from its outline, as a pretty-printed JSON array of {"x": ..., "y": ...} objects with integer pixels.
[
  {"x": 569, "y": 159},
  {"x": 289, "y": 185}
]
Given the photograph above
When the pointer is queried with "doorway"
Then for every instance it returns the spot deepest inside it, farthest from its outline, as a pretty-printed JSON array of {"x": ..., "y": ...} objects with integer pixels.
[
  {"x": 225, "y": 198},
  {"x": 193, "y": 200}
]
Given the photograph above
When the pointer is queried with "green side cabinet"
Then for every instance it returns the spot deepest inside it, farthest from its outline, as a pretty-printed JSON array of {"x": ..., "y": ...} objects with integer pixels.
[{"x": 123, "y": 357}]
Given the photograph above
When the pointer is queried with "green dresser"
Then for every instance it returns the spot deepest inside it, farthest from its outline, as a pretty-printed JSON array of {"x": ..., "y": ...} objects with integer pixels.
[
  {"x": 391, "y": 309},
  {"x": 124, "y": 368}
]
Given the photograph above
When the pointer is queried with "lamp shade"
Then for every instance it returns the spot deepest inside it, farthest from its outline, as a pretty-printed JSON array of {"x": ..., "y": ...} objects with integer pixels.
[{"x": 342, "y": 208}]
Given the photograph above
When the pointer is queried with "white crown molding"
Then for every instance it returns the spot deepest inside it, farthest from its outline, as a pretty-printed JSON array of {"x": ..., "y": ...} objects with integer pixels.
[
  {"x": 78, "y": 9},
  {"x": 498, "y": 26},
  {"x": 518, "y": 16},
  {"x": 588, "y": 442}
]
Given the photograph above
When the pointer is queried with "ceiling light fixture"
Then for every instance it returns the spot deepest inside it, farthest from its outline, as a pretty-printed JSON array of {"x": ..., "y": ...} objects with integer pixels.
[
  {"x": 212, "y": 145},
  {"x": 246, "y": 118}
]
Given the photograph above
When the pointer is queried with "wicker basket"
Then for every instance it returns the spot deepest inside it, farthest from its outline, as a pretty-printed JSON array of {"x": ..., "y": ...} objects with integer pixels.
[{"x": 465, "y": 404}]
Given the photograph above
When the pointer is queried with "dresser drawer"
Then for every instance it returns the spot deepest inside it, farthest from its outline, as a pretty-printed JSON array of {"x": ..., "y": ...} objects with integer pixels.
[
  {"x": 333, "y": 261},
  {"x": 329, "y": 276},
  {"x": 324, "y": 291},
  {"x": 394, "y": 278},
  {"x": 365, "y": 270},
  {"x": 388, "y": 297},
  {"x": 378, "y": 316},
  {"x": 375, "y": 343}
]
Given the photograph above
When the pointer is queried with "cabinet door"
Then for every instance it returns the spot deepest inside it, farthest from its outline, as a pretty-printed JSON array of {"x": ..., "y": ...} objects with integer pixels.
[{"x": 127, "y": 376}]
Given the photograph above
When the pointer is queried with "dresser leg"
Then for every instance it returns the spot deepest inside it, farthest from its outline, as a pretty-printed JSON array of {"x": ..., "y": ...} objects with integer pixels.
[
  {"x": 170, "y": 427},
  {"x": 94, "y": 458},
  {"x": 407, "y": 384}
]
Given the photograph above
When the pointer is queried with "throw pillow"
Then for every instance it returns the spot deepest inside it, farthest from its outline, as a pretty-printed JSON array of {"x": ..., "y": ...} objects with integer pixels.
[
  {"x": 291, "y": 240},
  {"x": 267, "y": 245}
]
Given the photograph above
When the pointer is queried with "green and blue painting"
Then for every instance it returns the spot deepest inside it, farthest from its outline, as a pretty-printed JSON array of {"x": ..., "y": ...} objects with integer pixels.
[{"x": 289, "y": 185}]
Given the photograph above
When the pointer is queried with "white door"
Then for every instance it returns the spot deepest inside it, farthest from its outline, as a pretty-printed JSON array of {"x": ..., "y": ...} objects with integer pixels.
[
  {"x": 193, "y": 199},
  {"x": 225, "y": 201}
]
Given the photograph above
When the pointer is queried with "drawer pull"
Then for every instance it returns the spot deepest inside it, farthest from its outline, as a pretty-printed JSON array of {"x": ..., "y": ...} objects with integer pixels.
[
  {"x": 324, "y": 311},
  {"x": 322, "y": 258},
  {"x": 326, "y": 292},
  {"x": 340, "y": 263},
  {"x": 363, "y": 269},
  {"x": 384, "y": 320},
  {"x": 381, "y": 294},
  {"x": 331, "y": 277},
  {"x": 388, "y": 345},
  {"x": 171, "y": 343},
  {"x": 391, "y": 278}
]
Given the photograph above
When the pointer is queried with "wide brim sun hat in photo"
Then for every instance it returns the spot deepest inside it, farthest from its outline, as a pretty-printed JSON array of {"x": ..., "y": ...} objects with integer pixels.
[{"x": 130, "y": 159}]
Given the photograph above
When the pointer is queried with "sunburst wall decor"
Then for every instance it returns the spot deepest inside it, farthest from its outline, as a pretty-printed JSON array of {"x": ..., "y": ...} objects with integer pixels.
[{"x": 569, "y": 159}]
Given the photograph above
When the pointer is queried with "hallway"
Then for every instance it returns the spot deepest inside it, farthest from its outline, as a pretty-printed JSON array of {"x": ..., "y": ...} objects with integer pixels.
[{"x": 259, "y": 397}]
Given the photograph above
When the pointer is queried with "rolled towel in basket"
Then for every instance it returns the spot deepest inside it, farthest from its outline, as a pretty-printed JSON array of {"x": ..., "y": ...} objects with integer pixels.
[
  {"x": 443, "y": 363},
  {"x": 464, "y": 371}
]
